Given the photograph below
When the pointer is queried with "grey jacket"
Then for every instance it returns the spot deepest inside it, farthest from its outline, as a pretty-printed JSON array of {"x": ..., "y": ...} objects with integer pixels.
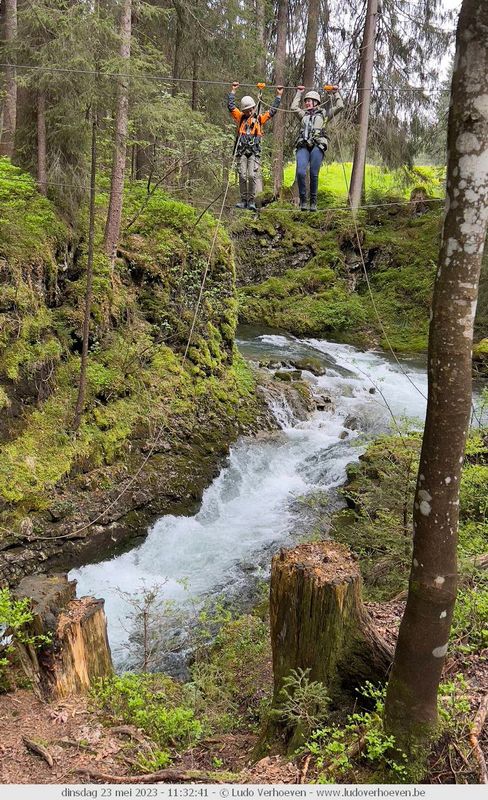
[{"x": 311, "y": 129}]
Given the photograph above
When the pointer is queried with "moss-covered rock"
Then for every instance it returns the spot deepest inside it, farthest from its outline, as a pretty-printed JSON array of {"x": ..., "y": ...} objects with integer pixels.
[
  {"x": 144, "y": 397},
  {"x": 304, "y": 273}
]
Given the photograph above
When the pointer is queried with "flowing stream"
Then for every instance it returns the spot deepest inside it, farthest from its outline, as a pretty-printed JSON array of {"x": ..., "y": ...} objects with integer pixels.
[{"x": 250, "y": 509}]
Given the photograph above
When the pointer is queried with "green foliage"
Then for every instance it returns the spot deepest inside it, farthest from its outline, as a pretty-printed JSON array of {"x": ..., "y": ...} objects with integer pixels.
[
  {"x": 15, "y": 615},
  {"x": 470, "y": 623},
  {"x": 154, "y": 703},
  {"x": 377, "y": 526},
  {"x": 303, "y": 703},
  {"x": 230, "y": 681},
  {"x": 340, "y": 751}
]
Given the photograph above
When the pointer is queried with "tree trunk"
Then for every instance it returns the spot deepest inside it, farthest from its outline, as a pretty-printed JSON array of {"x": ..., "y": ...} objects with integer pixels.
[
  {"x": 318, "y": 621},
  {"x": 9, "y": 113},
  {"x": 311, "y": 43},
  {"x": 114, "y": 215},
  {"x": 178, "y": 54},
  {"x": 194, "y": 86},
  {"x": 89, "y": 281},
  {"x": 260, "y": 17},
  {"x": 364, "y": 102},
  {"x": 411, "y": 703},
  {"x": 41, "y": 142},
  {"x": 279, "y": 120},
  {"x": 143, "y": 159}
]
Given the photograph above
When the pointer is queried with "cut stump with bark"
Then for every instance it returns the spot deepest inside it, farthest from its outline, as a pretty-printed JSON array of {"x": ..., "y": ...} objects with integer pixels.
[{"x": 319, "y": 622}]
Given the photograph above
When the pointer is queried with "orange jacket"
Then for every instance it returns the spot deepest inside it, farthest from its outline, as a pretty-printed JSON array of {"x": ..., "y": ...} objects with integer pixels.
[
  {"x": 243, "y": 126},
  {"x": 243, "y": 123}
]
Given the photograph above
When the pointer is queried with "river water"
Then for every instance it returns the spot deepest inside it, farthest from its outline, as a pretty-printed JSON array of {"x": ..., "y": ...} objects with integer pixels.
[{"x": 250, "y": 509}]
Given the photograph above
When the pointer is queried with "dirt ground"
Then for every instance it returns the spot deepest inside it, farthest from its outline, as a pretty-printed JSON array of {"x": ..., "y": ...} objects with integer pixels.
[{"x": 72, "y": 737}]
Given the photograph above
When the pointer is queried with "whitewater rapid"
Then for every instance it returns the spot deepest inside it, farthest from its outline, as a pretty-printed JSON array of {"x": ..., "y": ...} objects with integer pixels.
[{"x": 250, "y": 509}]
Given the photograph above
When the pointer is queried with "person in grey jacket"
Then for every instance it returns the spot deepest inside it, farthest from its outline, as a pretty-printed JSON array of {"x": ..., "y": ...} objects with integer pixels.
[{"x": 312, "y": 140}]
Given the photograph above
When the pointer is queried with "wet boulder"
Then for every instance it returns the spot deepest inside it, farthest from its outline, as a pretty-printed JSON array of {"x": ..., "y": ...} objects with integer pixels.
[{"x": 310, "y": 364}]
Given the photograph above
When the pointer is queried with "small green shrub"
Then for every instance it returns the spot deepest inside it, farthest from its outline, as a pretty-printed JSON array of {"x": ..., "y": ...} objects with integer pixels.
[
  {"x": 304, "y": 704},
  {"x": 15, "y": 615},
  {"x": 154, "y": 703},
  {"x": 338, "y": 750}
]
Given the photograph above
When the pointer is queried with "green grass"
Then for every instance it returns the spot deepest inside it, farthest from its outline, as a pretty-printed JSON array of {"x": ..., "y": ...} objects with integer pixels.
[{"x": 379, "y": 181}]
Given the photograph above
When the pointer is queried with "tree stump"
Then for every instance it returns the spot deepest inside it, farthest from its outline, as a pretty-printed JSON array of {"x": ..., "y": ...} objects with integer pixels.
[
  {"x": 319, "y": 622},
  {"x": 79, "y": 650},
  {"x": 419, "y": 200}
]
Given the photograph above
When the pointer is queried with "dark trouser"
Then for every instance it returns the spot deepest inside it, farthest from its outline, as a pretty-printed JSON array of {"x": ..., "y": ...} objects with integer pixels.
[{"x": 314, "y": 157}]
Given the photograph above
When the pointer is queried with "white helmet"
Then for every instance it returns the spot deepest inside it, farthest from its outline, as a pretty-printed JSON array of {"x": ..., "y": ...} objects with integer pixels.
[
  {"x": 312, "y": 96},
  {"x": 247, "y": 102}
]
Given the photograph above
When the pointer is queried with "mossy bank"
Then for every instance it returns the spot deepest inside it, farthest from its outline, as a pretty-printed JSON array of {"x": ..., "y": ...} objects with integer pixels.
[
  {"x": 304, "y": 273},
  {"x": 155, "y": 423}
]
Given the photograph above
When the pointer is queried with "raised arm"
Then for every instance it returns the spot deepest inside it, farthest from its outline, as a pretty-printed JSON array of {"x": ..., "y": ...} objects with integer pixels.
[
  {"x": 295, "y": 103},
  {"x": 231, "y": 102},
  {"x": 336, "y": 104},
  {"x": 263, "y": 118}
]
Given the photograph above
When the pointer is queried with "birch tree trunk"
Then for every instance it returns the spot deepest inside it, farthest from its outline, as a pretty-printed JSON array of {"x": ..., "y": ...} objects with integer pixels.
[
  {"x": 364, "y": 102},
  {"x": 311, "y": 43},
  {"x": 9, "y": 111},
  {"x": 279, "y": 120},
  {"x": 114, "y": 215},
  {"x": 41, "y": 142},
  {"x": 411, "y": 702}
]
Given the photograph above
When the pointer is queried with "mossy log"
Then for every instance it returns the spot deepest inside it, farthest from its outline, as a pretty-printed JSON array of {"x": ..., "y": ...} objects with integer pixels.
[{"x": 319, "y": 622}]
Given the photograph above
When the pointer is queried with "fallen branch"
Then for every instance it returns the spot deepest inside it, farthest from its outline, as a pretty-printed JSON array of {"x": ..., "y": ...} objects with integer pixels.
[
  {"x": 474, "y": 735},
  {"x": 162, "y": 776},
  {"x": 133, "y": 733},
  {"x": 39, "y": 750}
]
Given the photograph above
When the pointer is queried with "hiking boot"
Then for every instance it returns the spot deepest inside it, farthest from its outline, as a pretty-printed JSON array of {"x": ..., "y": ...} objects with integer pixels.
[
  {"x": 303, "y": 205},
  {"x": 241, "y": 204},
  {"x": 251, "y": 206},
  {"x": 313, "y": 204}
]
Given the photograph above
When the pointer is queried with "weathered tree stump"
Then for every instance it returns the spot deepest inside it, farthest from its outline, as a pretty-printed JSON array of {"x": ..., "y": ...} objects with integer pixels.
[
  {"x": 319, "y": 623},
  {"x": 78, "y": 651}
]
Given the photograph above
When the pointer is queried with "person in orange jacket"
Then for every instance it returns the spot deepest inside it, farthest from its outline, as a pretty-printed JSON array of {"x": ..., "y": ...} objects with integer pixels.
[{"x": 248, "y": 151}]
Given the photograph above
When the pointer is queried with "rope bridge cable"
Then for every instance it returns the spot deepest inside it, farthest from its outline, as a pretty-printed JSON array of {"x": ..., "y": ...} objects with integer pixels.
[{"x": 170, "y": 78}]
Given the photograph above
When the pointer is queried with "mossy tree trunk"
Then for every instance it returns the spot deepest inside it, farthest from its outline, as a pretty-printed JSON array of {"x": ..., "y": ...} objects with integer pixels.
[
  {"x": 411, "y": 702},
  {"x": 319, "y": 623}
]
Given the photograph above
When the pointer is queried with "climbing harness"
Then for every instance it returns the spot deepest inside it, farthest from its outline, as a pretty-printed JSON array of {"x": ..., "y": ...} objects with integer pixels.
[{"x": 250, "y": 130}]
